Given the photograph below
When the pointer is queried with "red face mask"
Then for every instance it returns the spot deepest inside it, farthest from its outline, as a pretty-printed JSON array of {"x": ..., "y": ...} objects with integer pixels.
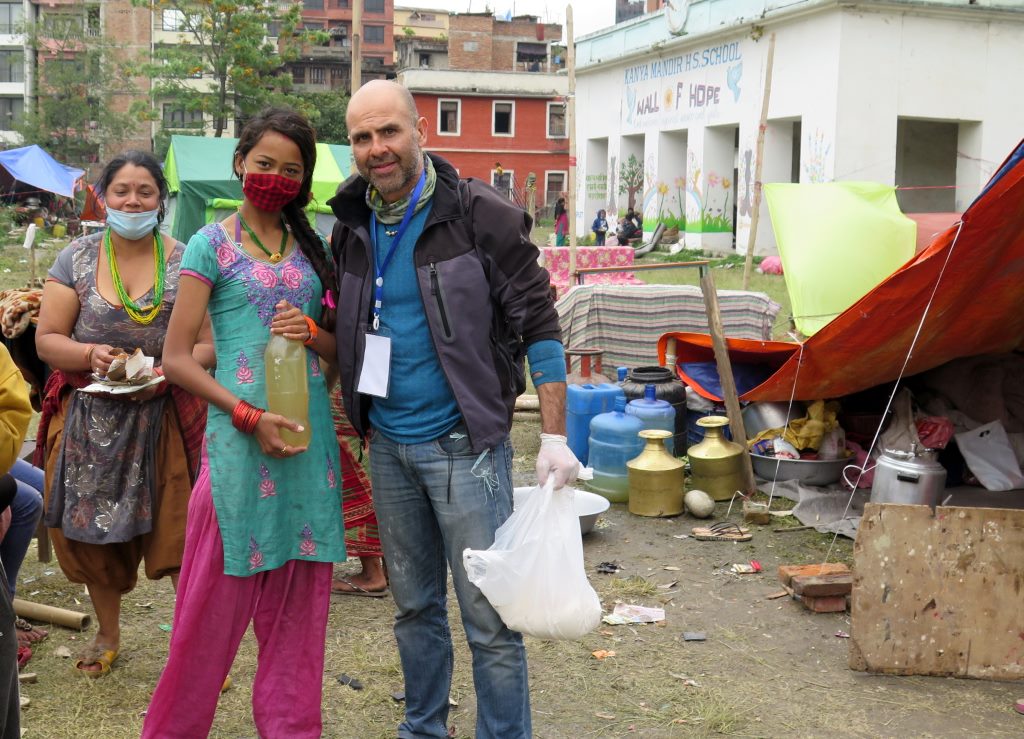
[{"x": 269, "y": 192}]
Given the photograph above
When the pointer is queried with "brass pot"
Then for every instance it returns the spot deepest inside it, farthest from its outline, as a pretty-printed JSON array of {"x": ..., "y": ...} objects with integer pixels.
[
  {"x": 716, "y": 464},
  {"x": 655, "y": 478}
]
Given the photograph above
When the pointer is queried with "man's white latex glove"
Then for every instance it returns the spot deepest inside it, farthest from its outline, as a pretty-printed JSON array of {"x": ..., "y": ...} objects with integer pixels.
[{"x": 556, "y": 458}]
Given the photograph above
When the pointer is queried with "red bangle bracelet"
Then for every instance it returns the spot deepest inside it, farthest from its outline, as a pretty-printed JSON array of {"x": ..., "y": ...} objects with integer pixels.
[
  {"x": 245, "y": 416},
  {"x": 313, "y": 331}
]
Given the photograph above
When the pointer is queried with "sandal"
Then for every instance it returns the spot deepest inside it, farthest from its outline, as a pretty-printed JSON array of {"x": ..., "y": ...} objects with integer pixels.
[
  {"x": 354, "y": 589},
  {"x": 30, "y": 634},
  {"x": 722, "y": 531},
  {"x": 96, "y": 655}
]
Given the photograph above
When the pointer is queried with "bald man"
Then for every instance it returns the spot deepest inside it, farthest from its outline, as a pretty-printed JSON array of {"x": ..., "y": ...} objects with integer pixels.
[{"x": 440, "y": 297}]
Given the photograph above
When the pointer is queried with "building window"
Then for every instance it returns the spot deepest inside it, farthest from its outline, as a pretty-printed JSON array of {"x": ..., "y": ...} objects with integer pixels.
[
  {"x": 10, "y": 17},
  {"x": 92, "y": 20},
  {"x": 274, "y": 29},
  {"x": 373, "y": 34},
  {"x": 313, "y": 4},
  {"x": 180, "y": 118},
  {"x": 10, "y": 112},
  {"x": 530, "y": 56},
  {"x": 339, "y": 3},
  {"x": 501, "y": 180},
  {"x": 449, "y": 117},
  {"x": 554, "y": 186},
  {"x": 299, "y": 75},
  {"x": 503, "y": 115},
  {"x": 556, "y": 120},
  {"x": 424, "y": 60},
  {"x": 172, "y": 20},
  {"x": 373, "y": 6},
  {"x": 316, "y": 75},
  {"x": 12, "y": 66}
]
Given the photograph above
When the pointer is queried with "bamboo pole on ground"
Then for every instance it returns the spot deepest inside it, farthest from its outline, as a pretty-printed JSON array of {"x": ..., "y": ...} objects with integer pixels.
[
  {"x": 755, "y": 211},
  {"x": 729, "y": 394},
  {"x": 570, "y": 126},
  {"x": 51, "y": 614}
]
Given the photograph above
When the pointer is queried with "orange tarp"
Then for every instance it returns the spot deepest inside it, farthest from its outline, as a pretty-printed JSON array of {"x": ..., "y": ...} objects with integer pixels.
[{"x": 977, "y": 309}]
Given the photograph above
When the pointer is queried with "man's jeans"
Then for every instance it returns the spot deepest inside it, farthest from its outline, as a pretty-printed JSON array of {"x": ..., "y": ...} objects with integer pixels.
[
  {"x": 26, "y": 509},
  {"x": 433, "y": 500}
]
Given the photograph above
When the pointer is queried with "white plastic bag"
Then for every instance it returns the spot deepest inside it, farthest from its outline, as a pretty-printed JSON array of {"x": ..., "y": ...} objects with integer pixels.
[
  {"x": 533, "y": 573},
  {"x": 990, "y": 456}
]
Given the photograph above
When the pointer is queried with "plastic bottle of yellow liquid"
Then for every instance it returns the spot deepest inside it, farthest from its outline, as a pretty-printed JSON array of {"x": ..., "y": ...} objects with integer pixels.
[{"x": 288, "y": 386}]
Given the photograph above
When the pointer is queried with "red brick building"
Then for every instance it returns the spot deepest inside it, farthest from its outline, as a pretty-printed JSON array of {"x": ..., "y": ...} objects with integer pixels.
[
  {"x": 328, "y": 66},
  {"x": 498, "y": 113}
]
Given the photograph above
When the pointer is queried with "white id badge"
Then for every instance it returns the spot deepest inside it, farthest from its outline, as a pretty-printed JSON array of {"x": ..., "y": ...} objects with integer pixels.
[{"x": 376, "y": 372}]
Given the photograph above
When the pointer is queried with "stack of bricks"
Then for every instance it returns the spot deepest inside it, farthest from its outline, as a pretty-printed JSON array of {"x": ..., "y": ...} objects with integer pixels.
[{"x": 821, "y": 588}]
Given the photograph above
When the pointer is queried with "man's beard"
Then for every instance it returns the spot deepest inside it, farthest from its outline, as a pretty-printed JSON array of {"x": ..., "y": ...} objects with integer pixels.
[{"x": 408, "y": 172}]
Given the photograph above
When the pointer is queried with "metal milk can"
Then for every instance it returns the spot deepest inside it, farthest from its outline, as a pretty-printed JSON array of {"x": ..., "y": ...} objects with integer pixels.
[
  {"x": 716, "y": 464},
  {"x": 655, "y": 478}
]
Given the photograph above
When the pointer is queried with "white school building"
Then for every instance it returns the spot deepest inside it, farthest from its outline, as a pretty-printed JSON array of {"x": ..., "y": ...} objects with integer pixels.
[{"x": 923, "y": 94}]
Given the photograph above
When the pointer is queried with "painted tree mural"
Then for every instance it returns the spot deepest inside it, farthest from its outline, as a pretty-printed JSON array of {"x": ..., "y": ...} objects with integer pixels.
[{"x": 631, "y": 179}]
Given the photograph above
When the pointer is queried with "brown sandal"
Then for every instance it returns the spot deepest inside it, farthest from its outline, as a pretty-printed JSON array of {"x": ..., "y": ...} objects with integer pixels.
[{"x": 722, "y": 531}]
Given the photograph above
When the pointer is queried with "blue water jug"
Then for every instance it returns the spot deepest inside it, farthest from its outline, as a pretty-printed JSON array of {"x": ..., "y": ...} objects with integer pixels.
[
  {"x": 614, "y": 441},
  {"x": 655, "y": 414},
  {"x": 583, "y": 402}
]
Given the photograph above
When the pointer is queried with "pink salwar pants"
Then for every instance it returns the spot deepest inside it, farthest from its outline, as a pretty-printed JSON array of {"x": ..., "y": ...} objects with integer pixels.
[{"x": 288, "y": 609}]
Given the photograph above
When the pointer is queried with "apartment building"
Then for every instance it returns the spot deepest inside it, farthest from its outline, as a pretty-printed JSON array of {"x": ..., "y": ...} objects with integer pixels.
[
  {"x": 421, "y": 38},
  {"x": 328, "y": 66},
  {"x": 14, "y": 68}
]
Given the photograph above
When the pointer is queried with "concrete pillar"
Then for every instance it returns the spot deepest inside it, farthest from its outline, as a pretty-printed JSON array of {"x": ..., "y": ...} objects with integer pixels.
[{"x": 711, "y": 157}]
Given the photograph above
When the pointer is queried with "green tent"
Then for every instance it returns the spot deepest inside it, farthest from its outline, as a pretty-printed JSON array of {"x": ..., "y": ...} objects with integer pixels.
[{"x": 198, "y": 171}]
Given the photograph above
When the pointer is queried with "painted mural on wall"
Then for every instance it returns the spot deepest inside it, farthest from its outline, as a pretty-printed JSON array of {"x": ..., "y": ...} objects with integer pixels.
[
  {"x": 631, "y": 180},
  {"x": 817, "y": 158},
  {"x": 696, "y": 86}
]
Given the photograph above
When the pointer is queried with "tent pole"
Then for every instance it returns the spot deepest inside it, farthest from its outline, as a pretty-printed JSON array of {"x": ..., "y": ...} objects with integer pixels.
[
  {"x": 732, "y": 401},
  {"x": 755, "y": 211},
  {"x": 570, "y": 125}
]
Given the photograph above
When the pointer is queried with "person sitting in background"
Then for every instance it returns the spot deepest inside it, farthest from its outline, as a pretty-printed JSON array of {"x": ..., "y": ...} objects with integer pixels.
[{"x": 627, "y": 229}]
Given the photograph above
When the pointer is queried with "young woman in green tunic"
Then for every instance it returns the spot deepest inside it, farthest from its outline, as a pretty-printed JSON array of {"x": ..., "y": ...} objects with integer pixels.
[{"x": 265, "y": 519}]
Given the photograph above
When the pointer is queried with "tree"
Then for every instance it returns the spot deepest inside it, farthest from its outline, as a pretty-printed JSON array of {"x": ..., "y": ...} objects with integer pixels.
[
  {"x": 328, "y": 115},
  {"x": 79, "y": 75},
  {"x": 224, "y": 65},
  {"x": 631, "y": 179}
]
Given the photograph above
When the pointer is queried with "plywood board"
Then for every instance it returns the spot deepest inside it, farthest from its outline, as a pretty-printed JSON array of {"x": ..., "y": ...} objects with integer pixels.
[{"x": 939, "y": 594}]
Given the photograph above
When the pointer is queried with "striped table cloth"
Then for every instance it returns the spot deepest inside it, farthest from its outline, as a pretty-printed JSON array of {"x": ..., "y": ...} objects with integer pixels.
[{"x": 626, "y": 321}]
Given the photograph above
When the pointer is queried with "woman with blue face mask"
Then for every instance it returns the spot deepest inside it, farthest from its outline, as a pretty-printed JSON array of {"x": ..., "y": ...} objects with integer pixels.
[{"x": 119, "y": 468}]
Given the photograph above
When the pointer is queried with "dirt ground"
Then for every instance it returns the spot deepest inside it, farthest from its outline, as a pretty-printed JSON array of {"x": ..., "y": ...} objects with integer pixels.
[{"x": 768, "y": 667}]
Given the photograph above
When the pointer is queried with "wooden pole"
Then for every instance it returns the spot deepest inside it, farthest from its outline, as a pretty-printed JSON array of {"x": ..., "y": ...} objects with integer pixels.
[
  {"x": 531, "y": 197},
  {"x": 570, "y": 129},
  {"x": 755, "y": 211},
  {"x": 357, "y": 45},
  {"x": 732, "y": 401}
]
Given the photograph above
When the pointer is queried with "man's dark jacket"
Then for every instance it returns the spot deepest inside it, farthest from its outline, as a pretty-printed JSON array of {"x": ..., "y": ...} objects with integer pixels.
[{"x": 480, "y": 350}]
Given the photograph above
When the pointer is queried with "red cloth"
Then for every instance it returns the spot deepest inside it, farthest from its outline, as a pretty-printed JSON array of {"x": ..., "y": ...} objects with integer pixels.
[{"x": 191, "y": 415}]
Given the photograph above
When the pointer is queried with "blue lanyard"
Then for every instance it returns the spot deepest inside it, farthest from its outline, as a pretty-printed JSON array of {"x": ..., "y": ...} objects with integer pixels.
[{"x": 380, "y": 268}]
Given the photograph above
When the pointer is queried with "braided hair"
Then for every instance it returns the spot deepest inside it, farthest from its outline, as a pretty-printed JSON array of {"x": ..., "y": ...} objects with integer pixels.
[{"x": 296, "y": 127}]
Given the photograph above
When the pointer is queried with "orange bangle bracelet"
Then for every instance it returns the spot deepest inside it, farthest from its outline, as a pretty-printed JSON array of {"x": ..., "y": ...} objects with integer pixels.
[{"x": 313, "y": 331}]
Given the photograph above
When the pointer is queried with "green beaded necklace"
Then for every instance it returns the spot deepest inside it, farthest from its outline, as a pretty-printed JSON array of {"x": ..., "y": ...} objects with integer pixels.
[
  {"x": 136, "y": 312},
  {"x": 274, "y": 258}
]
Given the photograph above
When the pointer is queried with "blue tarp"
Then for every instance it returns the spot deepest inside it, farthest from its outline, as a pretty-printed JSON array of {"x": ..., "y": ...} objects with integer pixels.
[{"x": 33, "y": 166}]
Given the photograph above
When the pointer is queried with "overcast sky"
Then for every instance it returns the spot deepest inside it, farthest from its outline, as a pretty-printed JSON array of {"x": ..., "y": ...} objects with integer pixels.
[{"x": 588, "y": 15}]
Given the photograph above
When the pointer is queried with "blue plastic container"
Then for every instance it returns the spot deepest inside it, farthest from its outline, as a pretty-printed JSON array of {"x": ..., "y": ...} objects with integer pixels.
[
  {"x": 614, "y": 441},
  {"x": 694, "y": 433},
  {"x": 583, "y": 402},
  {"x": 655, "y": 414}
]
